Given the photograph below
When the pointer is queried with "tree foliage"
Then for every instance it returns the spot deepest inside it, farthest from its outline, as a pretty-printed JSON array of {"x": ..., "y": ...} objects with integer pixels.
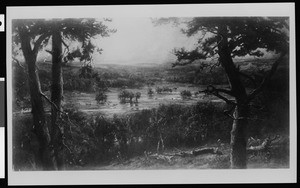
[
  {"x": 246, "y": 36},
  {"x": 225, "y": 38},
  {"x": 80, "y": 30}
]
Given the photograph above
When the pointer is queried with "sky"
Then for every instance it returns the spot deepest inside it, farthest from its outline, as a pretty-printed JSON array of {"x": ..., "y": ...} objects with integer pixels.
[{"x": 138, "y": 40}]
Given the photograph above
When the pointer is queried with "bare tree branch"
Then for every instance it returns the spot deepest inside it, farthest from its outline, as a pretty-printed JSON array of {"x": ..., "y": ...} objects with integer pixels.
[
  {"x": 56, "y": 108},
  {"x": 18, "y": 62},
  {"x": 39, "y": 42},
  {"x": 67, "y": 47},
  {"x": 66, "y": 114},
  {"x": 228, "y": 92},
  {"x": 224, "y": 98},
  {"x": 228, "y": 112},
  {"x": 212, "y": 90},
  {"x": 50, "y": 52},
  {"x": 52, "y": 103}
]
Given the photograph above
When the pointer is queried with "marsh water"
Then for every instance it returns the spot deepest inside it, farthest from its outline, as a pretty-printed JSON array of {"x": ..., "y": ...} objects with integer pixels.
[{"x": 86, "y": 101}]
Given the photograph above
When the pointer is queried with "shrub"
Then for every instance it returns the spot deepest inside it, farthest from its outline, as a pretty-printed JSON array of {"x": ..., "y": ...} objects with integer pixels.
[
  {"x": 158, "y": 90},
  {"x": 166, "y": 89},
  {"x": 163, "y": 89},
  {"x": 150, "y": 91},
  {"x": 185, "y": 94},
  {"x": 23, "y": 150},
  {"x": 125, "y": 96},
  {"x": 101, "y": 97},
  {"x": 21, "y": 95}
]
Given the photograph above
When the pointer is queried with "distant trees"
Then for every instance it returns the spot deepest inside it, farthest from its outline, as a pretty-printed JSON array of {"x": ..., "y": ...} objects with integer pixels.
[
  {"x": 127, "y": 96},
  {"x": 222, "y": 39},
  {"x": 124, "y": 95},
  {"x": 164, "y": 89}
]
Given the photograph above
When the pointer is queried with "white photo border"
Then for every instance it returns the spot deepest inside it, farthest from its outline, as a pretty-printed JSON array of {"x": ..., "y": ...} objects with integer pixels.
[{"x": 155, "y": 176}]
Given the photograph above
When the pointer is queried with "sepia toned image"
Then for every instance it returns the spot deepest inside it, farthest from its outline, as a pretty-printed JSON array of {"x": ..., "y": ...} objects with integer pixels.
[{"x": 150, "y": 92}]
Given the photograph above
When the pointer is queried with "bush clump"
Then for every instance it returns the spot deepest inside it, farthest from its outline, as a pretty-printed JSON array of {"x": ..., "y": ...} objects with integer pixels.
[
  {"x": 150, "y": 91},
  {"x": 186, "y": 94},
  {"x": 127, "y": 96}
]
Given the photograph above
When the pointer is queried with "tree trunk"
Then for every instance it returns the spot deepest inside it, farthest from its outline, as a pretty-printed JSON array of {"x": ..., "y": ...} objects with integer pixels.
[
  {"x": 56, "y": 94},
  {"x": 44, "y": 155},
  {"x": 238, "y": 136},
  {"x": 45, "y": 151},
  {"x": 238, "y": 143}
]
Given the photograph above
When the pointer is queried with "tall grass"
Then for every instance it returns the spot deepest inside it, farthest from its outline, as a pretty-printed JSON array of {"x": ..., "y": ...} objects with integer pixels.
[{"x": 97, "y": 139}]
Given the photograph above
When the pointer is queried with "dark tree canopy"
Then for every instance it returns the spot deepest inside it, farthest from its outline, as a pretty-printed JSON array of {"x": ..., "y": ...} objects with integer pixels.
[
  {"x": 39, "y": 31},
  {"x": 246, "y": 36}
]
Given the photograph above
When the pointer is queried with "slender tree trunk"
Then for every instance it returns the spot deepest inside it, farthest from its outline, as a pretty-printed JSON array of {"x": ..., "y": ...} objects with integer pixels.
[
  {"x": 56, "y": 94},
  {"x": 238, "y": 133},
  {"x": 45, "y": 151},
  {"x": 57, "y": 79}
]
